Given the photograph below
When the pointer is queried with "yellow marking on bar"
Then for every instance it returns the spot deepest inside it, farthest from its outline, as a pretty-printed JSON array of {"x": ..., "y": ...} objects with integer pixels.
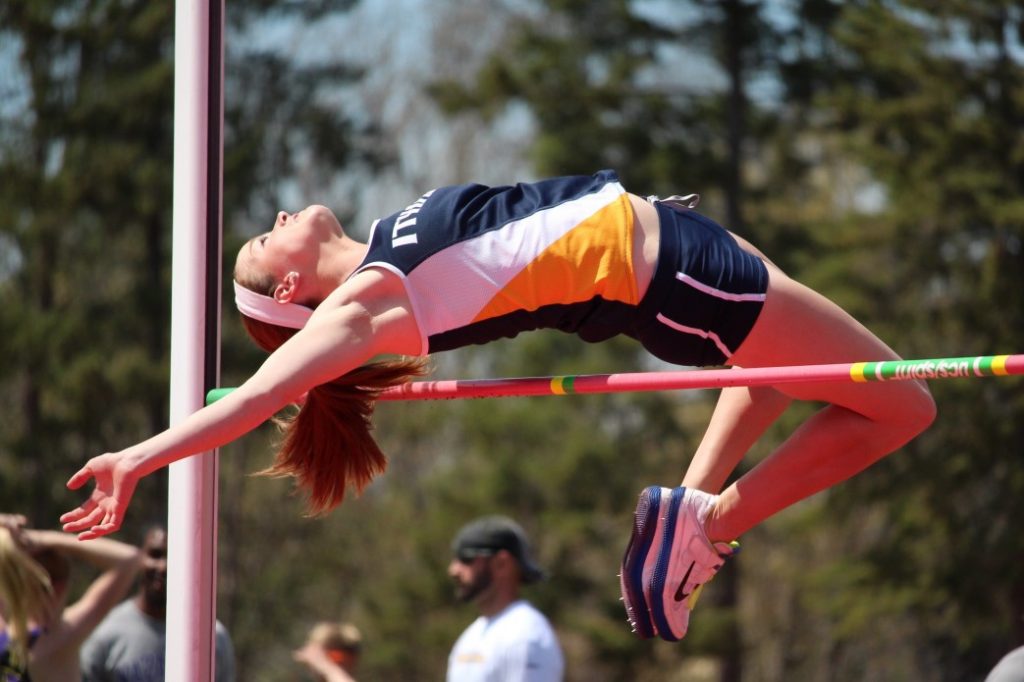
[
  {"x": 857, "y": 372},
  {"x": 556, "y": 385},
  {"x": 999, "y": 365}
]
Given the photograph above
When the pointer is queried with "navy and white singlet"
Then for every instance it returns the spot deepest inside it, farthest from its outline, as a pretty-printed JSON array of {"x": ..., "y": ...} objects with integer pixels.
[{"x": 481, "y": 263}]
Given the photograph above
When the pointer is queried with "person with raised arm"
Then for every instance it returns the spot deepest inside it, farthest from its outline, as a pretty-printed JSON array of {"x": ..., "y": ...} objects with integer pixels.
[{"x": 41, "y": 631}]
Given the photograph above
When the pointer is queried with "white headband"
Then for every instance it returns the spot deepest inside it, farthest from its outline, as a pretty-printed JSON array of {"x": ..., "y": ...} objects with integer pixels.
[{"x": 269, "y": 310}]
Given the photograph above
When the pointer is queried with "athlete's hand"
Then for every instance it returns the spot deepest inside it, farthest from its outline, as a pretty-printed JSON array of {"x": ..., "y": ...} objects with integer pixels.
[{"x": 103, "y": 512}]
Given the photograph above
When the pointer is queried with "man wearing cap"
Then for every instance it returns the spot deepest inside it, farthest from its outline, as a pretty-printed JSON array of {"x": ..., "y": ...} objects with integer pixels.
[{"x": 511, "y": 640}]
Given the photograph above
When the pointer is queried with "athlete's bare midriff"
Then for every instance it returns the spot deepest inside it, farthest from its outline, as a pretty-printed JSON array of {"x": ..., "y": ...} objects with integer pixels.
[{"x": 646, "y": 231}]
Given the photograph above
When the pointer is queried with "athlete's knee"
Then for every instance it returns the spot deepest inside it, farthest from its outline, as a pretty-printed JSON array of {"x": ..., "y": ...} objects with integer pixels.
[{"x": 917, "y": 410}]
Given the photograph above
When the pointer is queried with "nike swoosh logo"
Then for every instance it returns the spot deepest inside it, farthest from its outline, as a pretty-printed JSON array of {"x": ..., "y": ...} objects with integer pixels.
[{"x": 680, "y": 595}]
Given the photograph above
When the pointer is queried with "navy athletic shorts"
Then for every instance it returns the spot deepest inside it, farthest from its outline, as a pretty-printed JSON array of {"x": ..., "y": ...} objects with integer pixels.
[{"x": 705, "y": 295}]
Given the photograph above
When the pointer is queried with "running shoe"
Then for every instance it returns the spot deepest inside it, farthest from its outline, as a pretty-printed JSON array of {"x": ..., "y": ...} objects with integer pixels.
[
  {"x": 646, "y": 527},
  {"x": 668, "y": 561}
]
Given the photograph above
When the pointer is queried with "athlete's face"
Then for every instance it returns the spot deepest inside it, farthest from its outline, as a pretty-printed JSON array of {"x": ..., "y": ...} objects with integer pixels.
[
  {"x": 471, "y": 576},
  {"x": 293, "y": 244}
]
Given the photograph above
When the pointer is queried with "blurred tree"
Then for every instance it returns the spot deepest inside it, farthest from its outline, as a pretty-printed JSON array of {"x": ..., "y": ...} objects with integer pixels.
[
  {"x": 596, "y": 79},
  {"x": 902, "y": 202},
  {"x": 888, "y": 178},
  {"x": 86, "y": 162},
  {"x": 937, "y": 124},
  {"x": 863, "y": 153},
  {"x": 836, "y": 177},
  {"x": 576, "y": 65},
  {"x": 84, "y": 155}
]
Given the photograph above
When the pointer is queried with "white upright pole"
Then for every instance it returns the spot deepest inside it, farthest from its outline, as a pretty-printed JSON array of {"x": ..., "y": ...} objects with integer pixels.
[{"x": 195, "y": 317}]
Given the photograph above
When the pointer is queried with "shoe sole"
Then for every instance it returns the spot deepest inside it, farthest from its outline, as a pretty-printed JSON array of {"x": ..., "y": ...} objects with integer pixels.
[
  {"x": 646, "y": 523},
  {"x": 670, "y": 534}
]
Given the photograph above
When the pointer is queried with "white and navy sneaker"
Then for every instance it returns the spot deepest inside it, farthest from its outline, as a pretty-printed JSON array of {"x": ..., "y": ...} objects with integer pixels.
[{"x": 668, "y": 561}]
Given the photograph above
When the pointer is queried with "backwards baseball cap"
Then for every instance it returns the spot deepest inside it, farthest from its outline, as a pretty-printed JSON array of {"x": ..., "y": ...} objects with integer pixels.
[{"x": 488, "y": 535}]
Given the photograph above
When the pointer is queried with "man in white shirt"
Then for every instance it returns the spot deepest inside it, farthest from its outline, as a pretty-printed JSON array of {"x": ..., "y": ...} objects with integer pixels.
[{"x": 511, "y": 641}]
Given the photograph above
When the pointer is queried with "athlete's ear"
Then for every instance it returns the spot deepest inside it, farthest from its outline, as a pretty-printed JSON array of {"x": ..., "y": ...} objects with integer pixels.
[{"x": 285, "y": 291}]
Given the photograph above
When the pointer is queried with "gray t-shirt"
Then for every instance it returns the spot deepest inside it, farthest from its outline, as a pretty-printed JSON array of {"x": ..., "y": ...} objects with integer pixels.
[{"x": 128, "y": 646}]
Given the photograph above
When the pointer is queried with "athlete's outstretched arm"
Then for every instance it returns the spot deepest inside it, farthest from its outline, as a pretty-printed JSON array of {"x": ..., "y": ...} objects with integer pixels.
[{"x": 341, "y": 335}]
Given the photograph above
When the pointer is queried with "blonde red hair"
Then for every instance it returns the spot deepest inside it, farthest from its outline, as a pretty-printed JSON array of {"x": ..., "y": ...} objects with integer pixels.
[{"x": 326, "y": 443}]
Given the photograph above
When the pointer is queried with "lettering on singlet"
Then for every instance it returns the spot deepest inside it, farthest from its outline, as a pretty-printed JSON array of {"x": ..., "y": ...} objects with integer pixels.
[{"x": 407, "y": 220}]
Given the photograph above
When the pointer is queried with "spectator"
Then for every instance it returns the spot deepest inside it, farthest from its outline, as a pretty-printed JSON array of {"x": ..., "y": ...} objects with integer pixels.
[
  {"x": 130, "y": 643},
  {"x": 332, "y": 651},
  {"x": 39, "y": 634},
  {"x": 511, "y": 639}
]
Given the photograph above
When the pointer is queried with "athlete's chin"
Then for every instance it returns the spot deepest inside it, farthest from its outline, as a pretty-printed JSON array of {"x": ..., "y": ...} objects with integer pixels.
[{"x": 321, "y": 215}]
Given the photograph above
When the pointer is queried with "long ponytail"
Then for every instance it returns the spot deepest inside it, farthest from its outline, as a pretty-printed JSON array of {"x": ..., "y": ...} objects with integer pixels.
[{"x": 326, "y": 443}]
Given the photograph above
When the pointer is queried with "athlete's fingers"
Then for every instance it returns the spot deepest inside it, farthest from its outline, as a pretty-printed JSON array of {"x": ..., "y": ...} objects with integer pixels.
[
  {"x": 98, "y": 531},
  {"x": 108, "y": 524},
  {"x": 80, "y": 478},
  {"x": 111, "y": 522},
  {"x": 92, "y": 518},
  {"x": 78, "y": 512}
]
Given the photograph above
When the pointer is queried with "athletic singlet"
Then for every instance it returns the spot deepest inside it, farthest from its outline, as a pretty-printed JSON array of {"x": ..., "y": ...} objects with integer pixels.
[{"x": 481, "y": 263}]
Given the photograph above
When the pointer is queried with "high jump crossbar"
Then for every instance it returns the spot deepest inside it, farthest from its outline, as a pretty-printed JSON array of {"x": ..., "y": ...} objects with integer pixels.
[{"x": 858, "y": 372}]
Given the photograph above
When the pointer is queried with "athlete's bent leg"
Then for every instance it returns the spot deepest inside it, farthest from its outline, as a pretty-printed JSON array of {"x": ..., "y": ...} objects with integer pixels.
[{"x": 862, "y": 422}]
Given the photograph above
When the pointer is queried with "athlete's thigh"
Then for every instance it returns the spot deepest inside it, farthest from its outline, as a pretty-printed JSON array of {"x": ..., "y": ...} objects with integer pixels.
[{"x": 799, "y": 326}]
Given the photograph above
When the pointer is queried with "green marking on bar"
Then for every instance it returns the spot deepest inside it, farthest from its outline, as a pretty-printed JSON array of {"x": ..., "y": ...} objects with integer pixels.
[
  {"x": 216, "y": 394},
  {"x": 982, "y": 366},
  {"x": 938, "y": 368},
  {"x": 562, "y": 385}
]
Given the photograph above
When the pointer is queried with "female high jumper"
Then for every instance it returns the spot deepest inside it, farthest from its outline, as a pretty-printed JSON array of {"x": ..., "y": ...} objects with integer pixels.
[{"x": 470, "y": 264}]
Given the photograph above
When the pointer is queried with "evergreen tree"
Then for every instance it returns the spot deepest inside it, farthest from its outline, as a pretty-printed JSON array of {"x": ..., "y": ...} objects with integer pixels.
[
  {"x": 910, "y": 211},
  {"x": 596, "y": 79},
  {"x": 86, "y": 162},
  {"x": 85, "y": 196}
]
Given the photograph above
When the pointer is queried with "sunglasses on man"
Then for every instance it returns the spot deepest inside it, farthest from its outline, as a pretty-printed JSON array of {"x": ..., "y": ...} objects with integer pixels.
[{"x": 467, "y": 555}]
